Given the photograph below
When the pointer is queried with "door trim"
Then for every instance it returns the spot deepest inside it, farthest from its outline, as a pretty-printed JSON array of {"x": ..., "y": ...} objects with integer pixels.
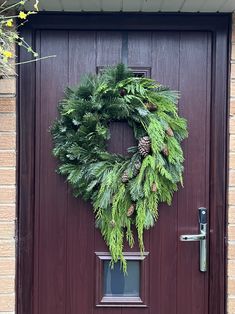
[{"x": 219, "y": 26}]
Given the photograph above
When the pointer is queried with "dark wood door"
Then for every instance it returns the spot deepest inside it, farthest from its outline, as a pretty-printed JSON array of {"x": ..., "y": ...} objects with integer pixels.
[{"x": 65, "y": 239}]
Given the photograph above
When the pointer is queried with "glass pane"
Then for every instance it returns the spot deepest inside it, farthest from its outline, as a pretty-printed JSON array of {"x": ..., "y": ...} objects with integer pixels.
[
  {"x": 116, "y": 284},
  {"x": 139, "y": 74}
]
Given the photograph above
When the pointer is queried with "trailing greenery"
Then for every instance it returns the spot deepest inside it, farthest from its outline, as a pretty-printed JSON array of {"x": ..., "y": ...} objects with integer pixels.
[{"x": 125, "y": 191}]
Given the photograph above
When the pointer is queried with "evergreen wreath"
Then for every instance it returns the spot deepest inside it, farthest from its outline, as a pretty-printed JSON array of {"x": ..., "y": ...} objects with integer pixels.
[{"x": 125, "y": 191}]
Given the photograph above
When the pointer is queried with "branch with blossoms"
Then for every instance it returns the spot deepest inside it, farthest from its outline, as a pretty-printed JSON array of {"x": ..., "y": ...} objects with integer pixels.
[{"x": 9, "y": 35}]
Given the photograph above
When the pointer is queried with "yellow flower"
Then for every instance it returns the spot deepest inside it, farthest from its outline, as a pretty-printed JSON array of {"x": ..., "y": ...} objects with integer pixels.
[
  {"x": 36, "y": 5},
  {"x": 9, "y": 23},
  {"x": 7, "y": 54},
  {"x": 22, "y": 15}
]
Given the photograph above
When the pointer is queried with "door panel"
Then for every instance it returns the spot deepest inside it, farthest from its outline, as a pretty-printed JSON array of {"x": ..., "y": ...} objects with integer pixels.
[
  {"x": 164, "y": 239},
  {"x": 80, "y": 227},
  {"x": 195, "y": 54},
  {"x": 140, "y": 49},
  {"x": 51, "y": 192},
  {"x": 65, "y": 235}
]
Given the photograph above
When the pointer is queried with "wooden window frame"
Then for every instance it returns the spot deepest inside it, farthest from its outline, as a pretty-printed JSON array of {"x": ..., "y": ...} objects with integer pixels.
[
  {"x": 146, "y": 71},
  {"x": 141, "y": 301}
]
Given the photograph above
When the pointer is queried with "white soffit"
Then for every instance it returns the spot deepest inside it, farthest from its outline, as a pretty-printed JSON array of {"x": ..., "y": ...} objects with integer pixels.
[{"x": 137, "y": 5}]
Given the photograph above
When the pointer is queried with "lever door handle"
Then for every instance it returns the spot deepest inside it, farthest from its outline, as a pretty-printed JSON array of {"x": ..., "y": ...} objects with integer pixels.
[
  {"x": 192, "y": 237},
  {"x": 201, "y": 237}
]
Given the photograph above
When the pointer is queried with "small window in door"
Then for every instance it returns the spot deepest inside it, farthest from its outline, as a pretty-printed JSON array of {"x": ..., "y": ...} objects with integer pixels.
[
  {"x": 117, "y": 284},
  {"x": 114, "y": 288},
  {"x": 141, "y": 71},
  {"x": 137, "y": 71}
]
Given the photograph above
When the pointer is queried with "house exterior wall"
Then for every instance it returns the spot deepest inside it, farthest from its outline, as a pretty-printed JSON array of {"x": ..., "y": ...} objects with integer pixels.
[
  {"x": 231, "y": 190},
  {"x": 7, "y": 193},
  {"x": 8, "y": 190}
]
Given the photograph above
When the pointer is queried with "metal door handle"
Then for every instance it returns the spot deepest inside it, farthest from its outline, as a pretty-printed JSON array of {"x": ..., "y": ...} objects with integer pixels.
[
  {"x": 200, "y": 237},
  {"x": 192, "y": 237}
]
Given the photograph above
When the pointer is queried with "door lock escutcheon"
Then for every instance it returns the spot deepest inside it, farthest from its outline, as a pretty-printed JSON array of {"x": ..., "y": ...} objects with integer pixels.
[{"x": 201, "y": 237}]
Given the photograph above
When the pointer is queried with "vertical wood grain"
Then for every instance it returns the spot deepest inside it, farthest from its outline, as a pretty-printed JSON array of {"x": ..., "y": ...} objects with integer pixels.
[
  {"x": 194, "y": 106},
  {"x": 26, "y": 181},
  {"x": 139, "y": 49},
  {"x": 82, "y": 55},
  {"x": 163, "y": 237},
  {"x": 218, "y": 183},
  {"x": 109, "y": 45},
  {"x": 80, "y": 223},
  {"x": 139, "y": 55},
  {"x": 51, "y": 191}
]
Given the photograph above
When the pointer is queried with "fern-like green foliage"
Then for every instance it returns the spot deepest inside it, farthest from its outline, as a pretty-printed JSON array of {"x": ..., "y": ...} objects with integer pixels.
[{"x": 80, "y": 143}]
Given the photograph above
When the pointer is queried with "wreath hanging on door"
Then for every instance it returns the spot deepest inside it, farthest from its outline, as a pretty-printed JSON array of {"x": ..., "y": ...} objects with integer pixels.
[{"x": 125, "y": 191}]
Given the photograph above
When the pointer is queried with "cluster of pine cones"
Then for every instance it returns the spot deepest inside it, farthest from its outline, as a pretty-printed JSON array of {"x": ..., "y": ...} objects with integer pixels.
[
  {"x": 137, "y": 166},
  {"x": 144, "y": 148}
]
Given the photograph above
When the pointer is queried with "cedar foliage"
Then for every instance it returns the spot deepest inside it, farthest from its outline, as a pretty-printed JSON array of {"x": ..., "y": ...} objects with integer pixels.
[{"x": 80, "y": 142}]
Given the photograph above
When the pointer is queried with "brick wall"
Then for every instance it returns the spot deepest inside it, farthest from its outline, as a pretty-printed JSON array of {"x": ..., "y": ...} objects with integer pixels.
[
  {"x": 231, "y": 196},
  {"x": 7, "y": 194}
]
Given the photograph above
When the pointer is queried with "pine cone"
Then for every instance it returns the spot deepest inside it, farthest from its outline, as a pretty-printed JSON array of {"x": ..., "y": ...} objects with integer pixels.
[
  {"x": 122, "y": 92},
  {"x": 169, "y": 132},
  {"x": 125, "y": 177},
  {"x": 154, "y": 187},
  {"x": 137, "y": 167},
  {"x": 135, "y": 172},
  {"x": 112, "y": 223},
  {"x": 165, "y": 151},
  {"x": 144, "y": 146},
  {"x": 150, "y": 106},
  {"x": 130, "y": 210}
]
